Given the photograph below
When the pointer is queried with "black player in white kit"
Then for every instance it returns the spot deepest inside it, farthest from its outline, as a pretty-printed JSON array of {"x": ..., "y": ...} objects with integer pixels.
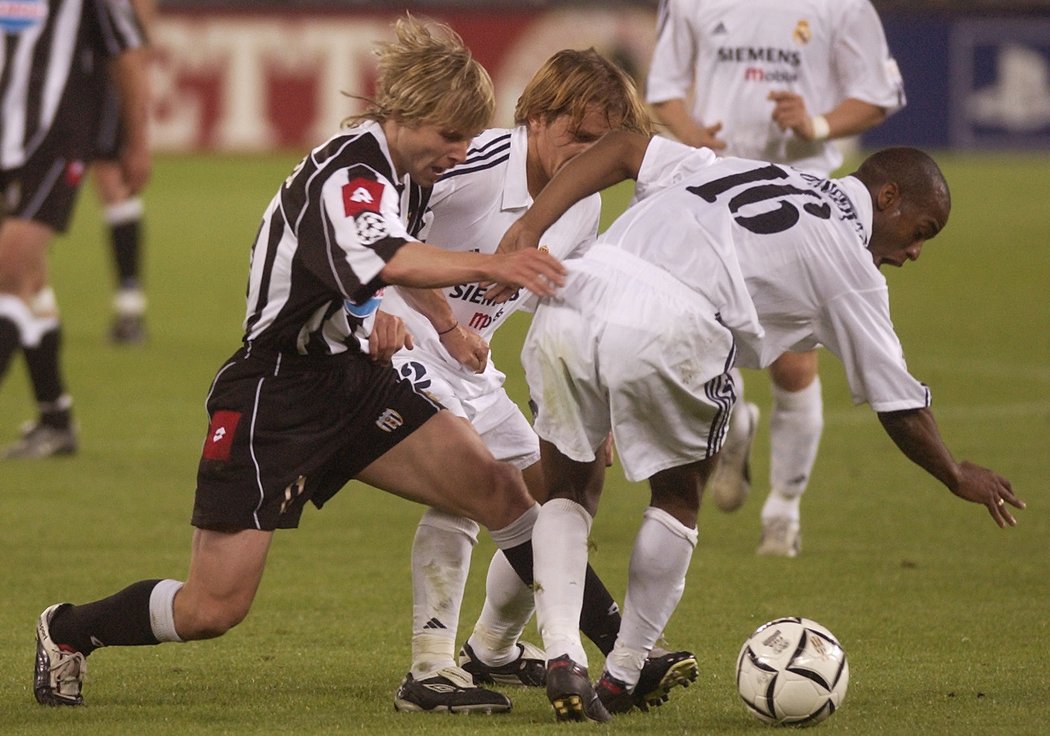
[{"x": 718, "y": 262}]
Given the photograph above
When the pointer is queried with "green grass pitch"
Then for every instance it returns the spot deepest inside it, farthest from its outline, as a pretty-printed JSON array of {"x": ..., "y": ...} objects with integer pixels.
[{"x": 944, "y": 616}]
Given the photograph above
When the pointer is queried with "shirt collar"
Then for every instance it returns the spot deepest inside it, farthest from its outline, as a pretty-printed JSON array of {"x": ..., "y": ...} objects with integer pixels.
[
  {"x": 516, "y": 187},
  {"x": 860, "y": 197}
]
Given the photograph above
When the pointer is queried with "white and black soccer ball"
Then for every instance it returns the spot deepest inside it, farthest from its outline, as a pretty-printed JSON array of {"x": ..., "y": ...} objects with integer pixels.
[{"x": 792, "y": 671}]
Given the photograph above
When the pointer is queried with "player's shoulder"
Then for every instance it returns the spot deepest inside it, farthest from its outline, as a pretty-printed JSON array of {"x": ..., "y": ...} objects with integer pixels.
[
  {"x": 487, "y": 153},
  {"x": 482, "y": 173},
  {"x": 361, "y": 149}
]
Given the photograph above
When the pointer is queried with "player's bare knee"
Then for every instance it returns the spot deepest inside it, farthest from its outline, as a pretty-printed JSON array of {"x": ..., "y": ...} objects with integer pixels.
[
  {"x": 794, "y": 371},
  {"x": 507, "y": 498},
  {"x": 210, "y": 620}
]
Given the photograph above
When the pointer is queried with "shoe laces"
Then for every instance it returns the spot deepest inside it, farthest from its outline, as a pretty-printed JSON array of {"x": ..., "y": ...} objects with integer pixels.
[
  {"x": 68, "y": 671},
  {"x": 456, "y": 675}
]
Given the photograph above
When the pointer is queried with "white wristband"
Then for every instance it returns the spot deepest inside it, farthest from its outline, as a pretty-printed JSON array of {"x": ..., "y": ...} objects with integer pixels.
[{"x": 821, "y": 129}]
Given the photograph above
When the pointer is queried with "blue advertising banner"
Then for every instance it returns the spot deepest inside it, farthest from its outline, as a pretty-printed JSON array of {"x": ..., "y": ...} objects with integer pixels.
[
  {"x": 1000, "y": 83},
  {"x": 971, "y": 82}
]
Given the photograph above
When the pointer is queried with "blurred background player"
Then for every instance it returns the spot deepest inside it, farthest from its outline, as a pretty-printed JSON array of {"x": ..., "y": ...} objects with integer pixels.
[
  {"x": 73, "y": 47},
  {"x": 123, "y": 211},
  {"x": 774, "y": 81},
  {"x": 571, "y": 101}
]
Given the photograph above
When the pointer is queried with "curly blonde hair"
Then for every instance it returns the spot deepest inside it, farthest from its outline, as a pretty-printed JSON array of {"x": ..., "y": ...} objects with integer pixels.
[{"x": 427, "y": 75}]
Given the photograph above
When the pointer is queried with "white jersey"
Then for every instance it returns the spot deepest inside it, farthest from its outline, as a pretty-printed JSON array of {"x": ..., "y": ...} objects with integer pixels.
[
  {"x": 727, "y": 55},
  {"x": 781, "y": 254},
  {"x": 473, "y": 205}
]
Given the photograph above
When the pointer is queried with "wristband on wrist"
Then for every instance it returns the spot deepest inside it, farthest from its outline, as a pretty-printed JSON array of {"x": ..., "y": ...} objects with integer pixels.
[
  {"x": 448, "y": 330},
  {"x": 821, "y": 129}
]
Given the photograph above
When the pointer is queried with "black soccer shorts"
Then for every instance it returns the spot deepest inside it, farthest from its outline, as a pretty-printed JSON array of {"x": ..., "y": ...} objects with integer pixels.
[{"x": 287, "y": 429}]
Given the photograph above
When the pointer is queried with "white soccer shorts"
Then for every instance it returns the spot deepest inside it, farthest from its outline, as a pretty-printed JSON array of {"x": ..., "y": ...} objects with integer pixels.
[{"x": 625, "y": 346}]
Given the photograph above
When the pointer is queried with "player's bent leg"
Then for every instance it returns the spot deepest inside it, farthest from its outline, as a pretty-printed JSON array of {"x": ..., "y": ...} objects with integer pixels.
[
  {"x": 23, "y": 271},
  {"x": 441, "y": 551},
  {"x": 796, "y": 425},
  {"x": 730, "y": 482},
  {"x": 445, "y": 464},
  {"x": 225, "y": 571},
  {"x": 656, "y": 581},
  {"x": 23, "y": 257}
]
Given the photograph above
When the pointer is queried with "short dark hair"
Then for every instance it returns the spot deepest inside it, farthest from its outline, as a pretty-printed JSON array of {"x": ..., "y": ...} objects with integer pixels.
[{"x": 916, "y": 174}]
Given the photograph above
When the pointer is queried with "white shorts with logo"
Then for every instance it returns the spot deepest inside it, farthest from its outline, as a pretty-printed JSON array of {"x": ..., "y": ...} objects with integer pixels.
[
  {"x": 626, "y": 347},
  {"x": 502, "y": 426}
]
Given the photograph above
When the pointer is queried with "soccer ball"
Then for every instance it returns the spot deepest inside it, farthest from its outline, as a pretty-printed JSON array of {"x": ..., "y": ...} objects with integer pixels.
[{"x": 792, "y": 671}]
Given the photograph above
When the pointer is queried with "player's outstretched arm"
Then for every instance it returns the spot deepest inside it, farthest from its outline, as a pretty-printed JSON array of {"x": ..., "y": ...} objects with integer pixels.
[
  {"x": 915, "y": 432},
  {"x": 416, "y": 264},
  {"x": 615, "y": 157}
]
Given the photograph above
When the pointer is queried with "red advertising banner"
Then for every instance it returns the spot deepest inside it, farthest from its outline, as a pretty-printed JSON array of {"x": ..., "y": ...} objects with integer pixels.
[{"x": 280, "y": 80}]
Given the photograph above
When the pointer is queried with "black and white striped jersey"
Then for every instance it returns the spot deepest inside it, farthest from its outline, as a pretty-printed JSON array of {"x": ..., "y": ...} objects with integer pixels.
[
  {"x": 53, "y": 59},
  {"x": 315, "y": 284}
]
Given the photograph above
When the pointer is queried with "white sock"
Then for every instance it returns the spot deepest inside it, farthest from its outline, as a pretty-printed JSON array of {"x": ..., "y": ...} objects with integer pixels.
[
  {"x": 162, "y": 610},
  {"x": 559, "y": 551},
  {"x": 440, "y": 562},
  {"x": 509, "y": 604},
  {"x": 518, "y": 531},
  {"x": 795, "y": 427},
  {"x": 655, "y": 583},
  {"x": 123, "y": 212},
  {"x": 738, "y": 383}
]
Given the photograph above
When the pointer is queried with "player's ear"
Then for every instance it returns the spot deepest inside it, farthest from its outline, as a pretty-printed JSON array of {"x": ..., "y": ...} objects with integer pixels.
[{"x": 888, "y": 196}]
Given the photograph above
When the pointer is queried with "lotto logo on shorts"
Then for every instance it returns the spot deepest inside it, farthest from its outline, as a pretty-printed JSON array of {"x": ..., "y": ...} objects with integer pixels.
[
  {"x": 361, "y": 195},
  {"x": 389, "y": 420},
  {"x": 74, "y": 172},
  {"x": 220, "y": 435}
]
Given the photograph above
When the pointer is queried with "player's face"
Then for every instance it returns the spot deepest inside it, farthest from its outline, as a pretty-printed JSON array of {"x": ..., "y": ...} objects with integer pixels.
[
  {"x": 901, "y": 231},
  {"x": 552, "y": 144},
  {"x": 425, "y": 151}
]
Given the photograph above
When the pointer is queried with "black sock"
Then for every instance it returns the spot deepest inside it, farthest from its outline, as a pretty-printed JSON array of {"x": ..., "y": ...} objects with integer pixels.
[
  {"x": 10, "y": 339},
  {"x": 520, "y": 558},
  {"x": 46, "y": 378},
  {"x": 600, "y": 616},
  {"x": 126, "y": 238},
  {"x": 122, "y": 619}
]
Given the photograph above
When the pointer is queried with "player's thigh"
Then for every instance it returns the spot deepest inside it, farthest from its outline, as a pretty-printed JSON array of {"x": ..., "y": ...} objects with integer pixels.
[
  {"x": 794, "y": 371},
  {"x": 109, "y": 182},
  {"x": 445, "y": 464},
  {"x": 23, "y": 256}
]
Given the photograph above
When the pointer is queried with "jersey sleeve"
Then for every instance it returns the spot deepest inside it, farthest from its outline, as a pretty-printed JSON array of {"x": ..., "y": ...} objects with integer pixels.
[
  {"x": 859, "y": 331},
  {"x": 667, "y": 162},
  {"x": 671, "y": 69},
  {"x": 119, "y": 27},
  {"x": 360, "y": 230},
  {"x": 862, "y": 60}
]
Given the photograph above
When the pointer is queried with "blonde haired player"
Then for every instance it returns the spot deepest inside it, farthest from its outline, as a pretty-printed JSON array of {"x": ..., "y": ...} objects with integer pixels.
[
  {"x": 775, "y": 81},
  {"x": 570, "y": 102},
  {"x": 301, "y": 408}
]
